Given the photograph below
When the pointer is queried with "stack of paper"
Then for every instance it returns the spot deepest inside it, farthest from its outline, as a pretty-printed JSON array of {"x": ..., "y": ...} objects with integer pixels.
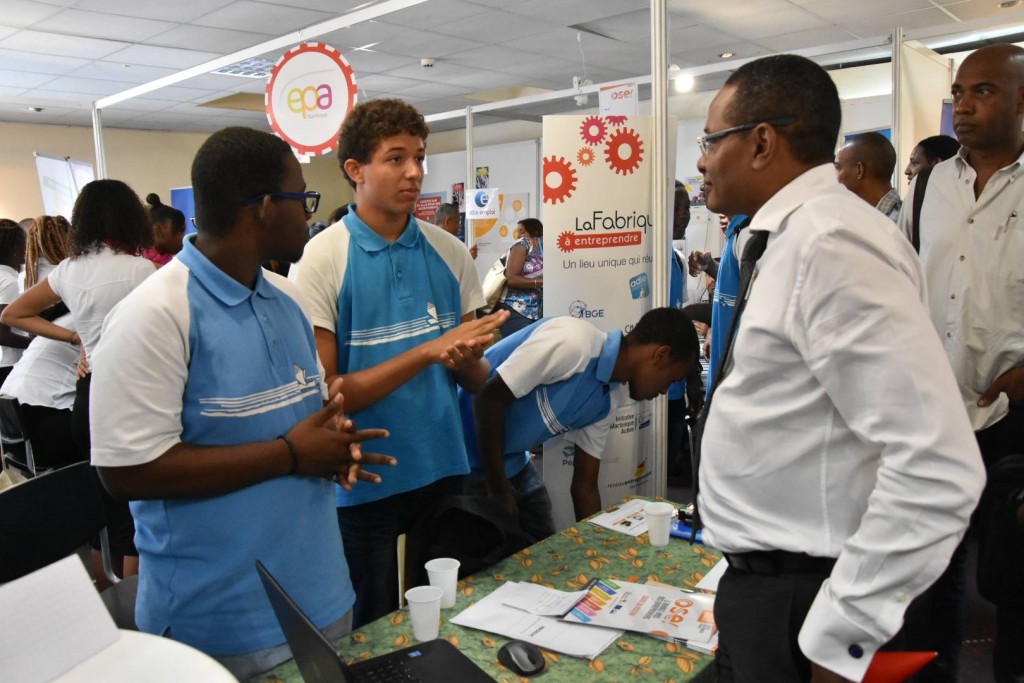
[
  {"x": 663, "y": 611},
  {"x": 493, "y": 615}
]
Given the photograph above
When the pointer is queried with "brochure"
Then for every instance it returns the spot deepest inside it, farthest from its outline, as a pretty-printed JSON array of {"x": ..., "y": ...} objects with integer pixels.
[
  {"x": 658, "y": 610},
  {"x": 627, "y": 518}
]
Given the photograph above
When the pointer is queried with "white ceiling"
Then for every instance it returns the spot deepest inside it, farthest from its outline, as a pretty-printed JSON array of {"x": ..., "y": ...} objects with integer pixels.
[{"x": 62, "y": 55}]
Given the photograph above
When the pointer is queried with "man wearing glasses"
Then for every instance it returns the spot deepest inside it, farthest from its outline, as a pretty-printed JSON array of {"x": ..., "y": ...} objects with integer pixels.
[
  {"x": 208, "y": 414},
  {"x": 387, "y": 295},
  {"x": 838, "y": 469}
]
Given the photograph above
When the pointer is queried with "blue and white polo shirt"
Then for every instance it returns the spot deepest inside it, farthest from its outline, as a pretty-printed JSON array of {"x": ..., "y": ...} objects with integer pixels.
[
  {"x": 193, "y": 356},
  {"x": 382, "y": 299},
  {"x": 560, "y": 371}
]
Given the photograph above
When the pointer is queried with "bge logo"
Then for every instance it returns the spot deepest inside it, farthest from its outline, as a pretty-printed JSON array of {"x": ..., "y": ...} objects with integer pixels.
[{"x": 307, "y": 100}]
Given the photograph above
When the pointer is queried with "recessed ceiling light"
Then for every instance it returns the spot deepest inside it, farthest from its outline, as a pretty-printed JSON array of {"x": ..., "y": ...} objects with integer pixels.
[
  {"x": 35, "y": 109},
  {"x": 727, "y": 55},
  {"x": 1007, "y": 4},
  {"x": 126, "y": 66},
  {"x": 254, "y": 67}
]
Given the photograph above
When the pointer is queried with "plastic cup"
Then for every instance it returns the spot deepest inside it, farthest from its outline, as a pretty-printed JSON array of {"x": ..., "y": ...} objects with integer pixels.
[
  {"x": 425, "y": 611},
  {"x": 659, "y": 520},
  {"x": 444, "y": 574}
]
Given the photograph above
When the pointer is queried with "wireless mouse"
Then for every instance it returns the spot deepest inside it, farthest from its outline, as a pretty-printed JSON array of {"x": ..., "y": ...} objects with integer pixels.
[{"x": 523, "y": 658}]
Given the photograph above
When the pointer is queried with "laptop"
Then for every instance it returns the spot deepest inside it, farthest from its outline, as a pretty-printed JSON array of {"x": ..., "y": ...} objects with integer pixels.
[{"x": 435, "y": 661}]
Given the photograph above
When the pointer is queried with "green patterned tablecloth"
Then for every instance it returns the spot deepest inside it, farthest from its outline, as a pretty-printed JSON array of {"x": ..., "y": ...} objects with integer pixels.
[{"x": 565, "y": 561}]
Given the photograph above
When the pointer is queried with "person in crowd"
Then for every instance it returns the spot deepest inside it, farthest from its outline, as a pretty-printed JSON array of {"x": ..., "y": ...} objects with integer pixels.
[
  {"x": 13, "y": 244},
  {"x": 839, "y": 469},
  {"x": 227, "y": 448},
  {"x": 12, "y": 258},
  {"x": 929, "y": 152},
  {"x": 48, "y": 244},
  {"x": 168, "y": 231},
  {"x": 680, "y": 221},
  {"x": 26, "y": 224},
  {"x": 524, "y": 298},
  {"x": 972, "y": 253},
  {"x": 726, "y": 274},
  {"x": 43, "y": 380},
  {"x": 387, "y": 293},
  {"x": 109, "y": 228},
  {"x": 565, "y": 376},
  {"x": 865, "y": 166},
  {"x": 448, "y": 219}
]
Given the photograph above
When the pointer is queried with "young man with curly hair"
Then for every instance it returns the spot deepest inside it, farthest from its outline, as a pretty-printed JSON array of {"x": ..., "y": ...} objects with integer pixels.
[{"x": 387, "y": 294}]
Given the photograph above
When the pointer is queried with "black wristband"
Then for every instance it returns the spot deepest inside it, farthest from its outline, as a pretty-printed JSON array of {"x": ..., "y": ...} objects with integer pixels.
[{"x": 295, "y": 454}]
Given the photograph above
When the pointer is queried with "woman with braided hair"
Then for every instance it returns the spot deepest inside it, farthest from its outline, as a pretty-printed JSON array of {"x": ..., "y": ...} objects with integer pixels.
[
  {"x": 168, "y": 231},
  {"x": 109, "y": 229},
  {"x": 47, "y": 246}
]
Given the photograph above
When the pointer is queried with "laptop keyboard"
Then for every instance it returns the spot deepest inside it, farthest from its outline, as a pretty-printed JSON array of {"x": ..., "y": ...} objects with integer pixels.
[{"x": 388, "y": 671}]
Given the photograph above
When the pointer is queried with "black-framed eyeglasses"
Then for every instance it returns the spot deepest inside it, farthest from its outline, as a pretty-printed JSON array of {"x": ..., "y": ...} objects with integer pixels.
[
  {"x": 310, "y": 200},
  {"x": 704, "y": 142}
]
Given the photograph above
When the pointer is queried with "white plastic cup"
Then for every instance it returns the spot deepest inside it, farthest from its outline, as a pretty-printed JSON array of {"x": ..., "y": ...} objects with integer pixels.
[
  {"x": 659, "y": 520},
  {"x": 444, "y": 573},
  {"x": 425, "y": 611}
]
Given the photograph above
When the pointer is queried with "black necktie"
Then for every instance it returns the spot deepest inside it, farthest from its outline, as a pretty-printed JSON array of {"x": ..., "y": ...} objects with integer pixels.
[{"x": 751, "y": 253}]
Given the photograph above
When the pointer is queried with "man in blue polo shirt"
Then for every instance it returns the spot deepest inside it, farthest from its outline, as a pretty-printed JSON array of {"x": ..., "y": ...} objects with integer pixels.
[
  {"x": 565, "y": 376},
  {"x": 208, "y": 415},
  {"x": 387, "y": 294}
]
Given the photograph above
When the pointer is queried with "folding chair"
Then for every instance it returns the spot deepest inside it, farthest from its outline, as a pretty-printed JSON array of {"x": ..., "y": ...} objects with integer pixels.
[{"x": 49, "y": 517}]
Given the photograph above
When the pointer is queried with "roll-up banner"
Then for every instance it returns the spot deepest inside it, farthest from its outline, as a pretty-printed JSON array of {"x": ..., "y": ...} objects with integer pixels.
[{"x": 597, "y": 186}]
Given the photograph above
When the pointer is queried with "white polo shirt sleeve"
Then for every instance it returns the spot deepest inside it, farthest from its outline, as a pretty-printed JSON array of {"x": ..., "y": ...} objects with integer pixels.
[
  {"x": 319, "y": 275},
  {"x": 556, "y": 351},
  {"x": 139, "y": 370}
]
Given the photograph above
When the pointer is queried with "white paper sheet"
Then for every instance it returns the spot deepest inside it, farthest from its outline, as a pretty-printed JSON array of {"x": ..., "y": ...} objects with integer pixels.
[
  {"x": 492, "y": 615},
  {"x": 540, "y": 600},
  {"x": 711, "y": 579},
  {"x": 628, "y": 518},
  {"x": 53, "y": 619}
]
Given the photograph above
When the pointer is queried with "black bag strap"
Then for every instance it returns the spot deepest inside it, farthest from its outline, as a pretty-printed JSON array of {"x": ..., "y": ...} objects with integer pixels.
[{"x": 915, "y": 216}]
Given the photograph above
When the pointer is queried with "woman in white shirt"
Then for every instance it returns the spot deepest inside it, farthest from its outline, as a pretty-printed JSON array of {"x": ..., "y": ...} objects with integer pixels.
[{"x": 109, "y": 228}]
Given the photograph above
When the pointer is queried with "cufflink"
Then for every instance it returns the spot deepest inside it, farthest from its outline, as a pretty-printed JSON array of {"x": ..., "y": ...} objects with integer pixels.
[{"x": 856, "y": 651}]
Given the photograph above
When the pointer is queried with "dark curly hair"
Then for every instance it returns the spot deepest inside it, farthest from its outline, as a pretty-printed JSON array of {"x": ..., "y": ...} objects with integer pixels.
[
  {"x": 235, "y": 165},
  {"x": 109, "y": 213},
  {"x": 12, "y": 240},
  {"x": 668, "y": 326},
  {"x": 782, "y": 86},
  {"x": 160, "y": 212},
  {"x": 369, "y": 123}
]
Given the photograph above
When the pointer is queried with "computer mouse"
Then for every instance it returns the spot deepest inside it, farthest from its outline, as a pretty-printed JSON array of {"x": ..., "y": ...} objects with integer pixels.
[{"x": 524, "y": 658}]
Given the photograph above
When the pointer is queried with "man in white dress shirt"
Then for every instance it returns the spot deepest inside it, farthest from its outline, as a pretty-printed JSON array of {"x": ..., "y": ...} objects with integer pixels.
[
  {"x": 972, "y": 252},
  {"x": 839, "y": 469}
]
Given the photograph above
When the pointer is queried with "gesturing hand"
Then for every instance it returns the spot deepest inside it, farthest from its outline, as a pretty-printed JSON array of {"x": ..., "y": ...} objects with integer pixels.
[
  {"x": 327, "y": 444},
  {"x": 475, "y": 333}
]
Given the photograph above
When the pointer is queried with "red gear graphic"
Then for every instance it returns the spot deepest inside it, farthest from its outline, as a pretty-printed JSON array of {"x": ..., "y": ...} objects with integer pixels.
[
  {"x": 624, "y": 165},
  {"x": 585, "y": 156},
  {"x": 615, "y": 120},
  {"x": 565, "y": 242},
  {"x": 564, "y": 169},
  {"x": 593, "y": 130}
]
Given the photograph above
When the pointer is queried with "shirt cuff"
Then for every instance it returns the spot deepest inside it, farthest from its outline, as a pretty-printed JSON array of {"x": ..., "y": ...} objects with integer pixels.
[{"x": 832, "y": 641}]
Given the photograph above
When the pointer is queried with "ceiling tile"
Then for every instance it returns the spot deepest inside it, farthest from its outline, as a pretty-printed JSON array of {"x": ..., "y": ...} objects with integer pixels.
[
  {"x": 572, "y": 12},
  {"x": 370, "y": 61},
  {"x": 152, "y": 55},
  {"x": 908, "y": 20},
  {"x": 367, "y": 33},
  {"x": 204, "y": 38},
  {"x": 115, "y": 71},
  {"x": 980, "y": 9},
  {"x": 336, "y": 7},
  {"x": 177, "y": 93},
  {"x": 153, "y": 9},
  {"x": 11, "y": 90},
  {"x": 101, "y": 25},
  {"x": 40, "y": 63},
  {"x": 258, "y": 17},
  {"x": 23, "y": 79},
  {"x": 840, "y": 11},
  {"x": 61, "y": 45},
  {"x": 805, "y": 39},
  {"x": 62, "y": 95},
  {"x": 484, "y": 28},
  {"x": 24, "y": 13},
  {"x": 425, "y": 44},
  {"x": 433, "y": 13},
  {"x": 790, "y": 20},
  {"x": 87, "y": 86}
]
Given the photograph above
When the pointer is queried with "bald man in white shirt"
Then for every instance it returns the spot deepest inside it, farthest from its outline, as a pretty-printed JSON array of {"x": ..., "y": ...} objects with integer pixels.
[{"x": 839, "y": 470}]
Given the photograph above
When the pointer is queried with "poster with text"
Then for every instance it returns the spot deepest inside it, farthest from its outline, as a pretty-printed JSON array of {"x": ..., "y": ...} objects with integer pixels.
[
  {"x": 596, "y": 181},
  {"x": 495, "y": 235},
  {"x": 427, "y": 205}
]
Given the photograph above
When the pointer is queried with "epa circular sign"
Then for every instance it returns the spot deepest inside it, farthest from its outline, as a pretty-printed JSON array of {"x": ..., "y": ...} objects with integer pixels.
[{"x": 311, "y": 89}]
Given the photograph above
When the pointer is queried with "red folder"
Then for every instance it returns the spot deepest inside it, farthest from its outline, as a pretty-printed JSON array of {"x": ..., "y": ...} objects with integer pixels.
[{"x": 896, "y": 667}]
